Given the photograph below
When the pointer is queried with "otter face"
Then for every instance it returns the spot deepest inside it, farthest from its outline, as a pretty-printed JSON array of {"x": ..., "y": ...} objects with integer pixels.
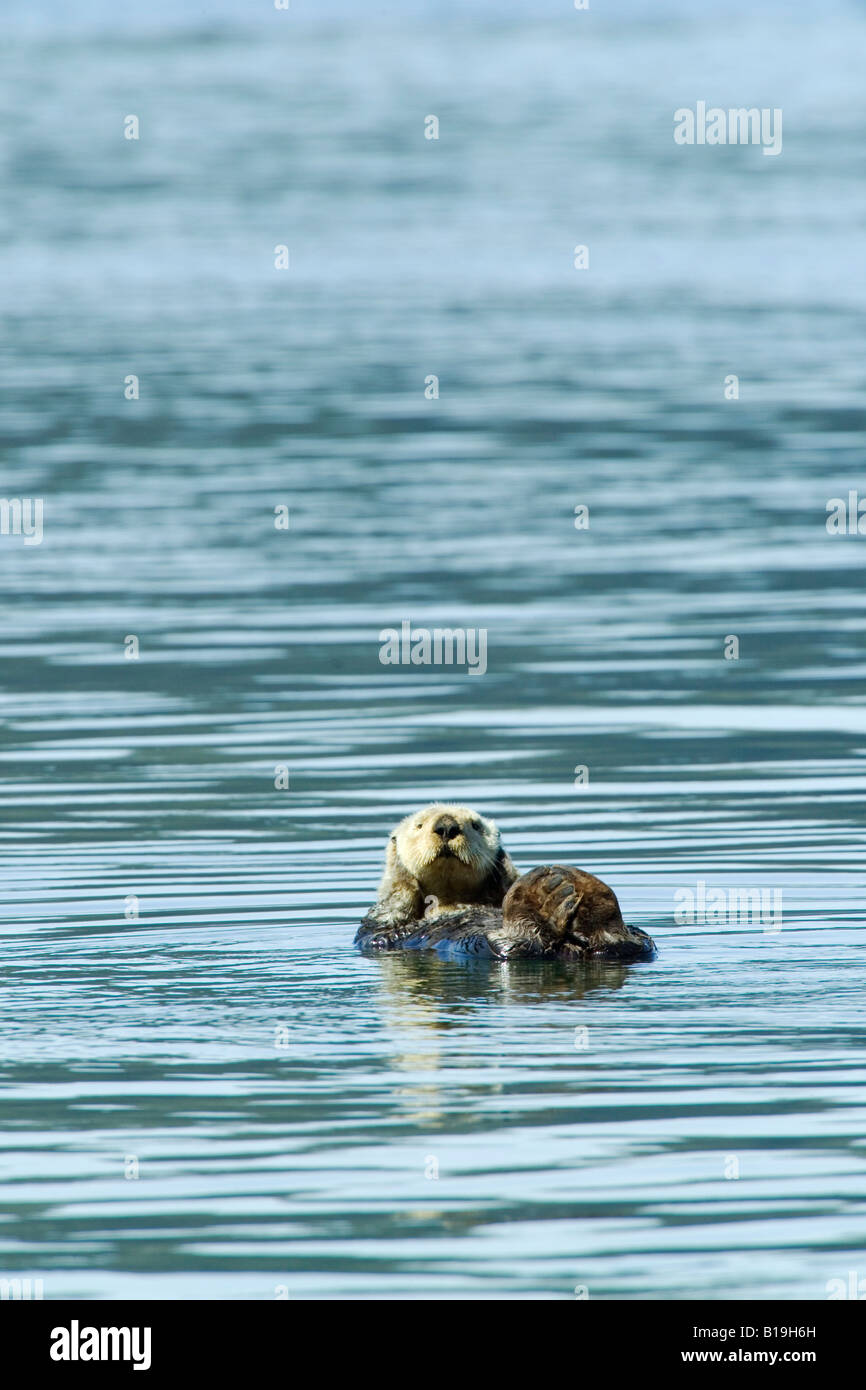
[{"x": 450, "y": 850}]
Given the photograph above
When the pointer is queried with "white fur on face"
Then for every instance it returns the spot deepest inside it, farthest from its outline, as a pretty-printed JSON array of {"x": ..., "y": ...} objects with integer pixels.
[{"x": 476, "y": 846}]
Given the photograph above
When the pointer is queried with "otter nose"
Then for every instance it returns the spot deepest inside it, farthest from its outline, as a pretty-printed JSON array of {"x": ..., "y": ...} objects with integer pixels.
[{"x": 447, "y": 828}]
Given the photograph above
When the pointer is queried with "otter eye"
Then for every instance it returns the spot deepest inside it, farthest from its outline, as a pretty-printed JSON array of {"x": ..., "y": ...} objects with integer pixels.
[
  {"x": 419, "y": 825},
  {"x": 476, "y": 825}
]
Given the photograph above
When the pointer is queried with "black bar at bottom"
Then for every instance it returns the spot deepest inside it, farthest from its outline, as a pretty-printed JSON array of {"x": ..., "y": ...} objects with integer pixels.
[{"x": 160, "y": 1340}]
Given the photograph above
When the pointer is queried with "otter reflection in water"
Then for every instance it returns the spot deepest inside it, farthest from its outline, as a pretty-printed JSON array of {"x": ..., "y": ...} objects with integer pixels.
[
  {"x": 408, "y": 981},
  {"x": 449, "y": 886},
  {"x": 428, "y": 1018}
]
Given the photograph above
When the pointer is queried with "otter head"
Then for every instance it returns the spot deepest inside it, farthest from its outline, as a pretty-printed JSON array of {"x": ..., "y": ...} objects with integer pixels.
[{"x": 450, "y": 850}]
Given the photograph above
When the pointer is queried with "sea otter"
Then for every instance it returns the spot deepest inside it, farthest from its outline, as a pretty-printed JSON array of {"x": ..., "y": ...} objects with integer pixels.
[{"x": 449, "y": 886}]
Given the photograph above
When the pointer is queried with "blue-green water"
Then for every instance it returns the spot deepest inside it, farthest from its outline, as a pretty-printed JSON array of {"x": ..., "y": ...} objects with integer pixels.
[{"x": 303, "y": 1119}]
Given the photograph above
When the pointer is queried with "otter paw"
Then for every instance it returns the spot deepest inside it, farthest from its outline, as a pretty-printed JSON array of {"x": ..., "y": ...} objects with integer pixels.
[
  {"x": 562, "y": 905},
  {"x": 557, "y": 901},
  {"x": 548, "y": 898}
]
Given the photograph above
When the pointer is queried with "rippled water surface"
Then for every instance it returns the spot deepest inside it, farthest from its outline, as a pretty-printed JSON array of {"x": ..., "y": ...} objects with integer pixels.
[{"x": 179, "y": 989}]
